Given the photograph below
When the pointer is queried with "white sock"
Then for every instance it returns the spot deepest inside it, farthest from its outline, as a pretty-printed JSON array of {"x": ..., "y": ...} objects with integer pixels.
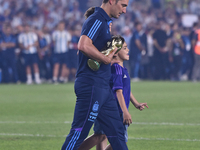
[
  {"x": 61, "y": 79},
  {"x": 37, "y": 76},
  {"x": 55, "y": 78},
  {"x": 29, "y": 77},
  {"x": 66, "y": 80}
]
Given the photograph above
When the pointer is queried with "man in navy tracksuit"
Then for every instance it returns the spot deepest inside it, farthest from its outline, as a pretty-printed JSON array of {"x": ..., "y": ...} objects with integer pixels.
[
  {"x": 95, "y": 99},
  {"x": 8, "y": 45}
]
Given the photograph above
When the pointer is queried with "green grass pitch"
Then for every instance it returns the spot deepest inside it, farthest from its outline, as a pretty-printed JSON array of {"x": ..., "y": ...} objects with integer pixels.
[{"x": 38, "y": 117}]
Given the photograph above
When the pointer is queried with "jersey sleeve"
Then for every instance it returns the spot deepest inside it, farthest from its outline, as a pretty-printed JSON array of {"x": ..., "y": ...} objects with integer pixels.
[
  {"x": 48, "y": 38},
  {"x": 92, "y": 28},
  {"x": 69, "y": 37},
  {"x": 35, "y": 37},
  {"x": 20, "y": 39},
  {"x": 117, "y": 76},
  {"x": 136, "y": 36},
  {"x": 54, "y": 36}
]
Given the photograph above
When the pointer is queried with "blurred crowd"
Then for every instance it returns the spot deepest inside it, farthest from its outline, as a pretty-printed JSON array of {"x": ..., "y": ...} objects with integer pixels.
[{"x": 38, "y": 39}]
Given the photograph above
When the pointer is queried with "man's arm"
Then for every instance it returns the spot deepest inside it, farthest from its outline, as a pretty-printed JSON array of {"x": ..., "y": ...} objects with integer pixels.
[
  {"x": 194, "y": 41},
  {"x": 126, "y": 114},
  {"x": 157, "y": 46},
  {"x": 35, "y": 44},
  {"x": 22, "y": 46},
  {"x": 137, "y": 105},
  {"x": 139, "y": 45},
  {"x": 8, "y": 45},
  {"x": 86, "y": 46}
]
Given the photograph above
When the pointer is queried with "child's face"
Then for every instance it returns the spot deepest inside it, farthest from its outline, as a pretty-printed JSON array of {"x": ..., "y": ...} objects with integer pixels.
[{"x": 124, "y": 52}]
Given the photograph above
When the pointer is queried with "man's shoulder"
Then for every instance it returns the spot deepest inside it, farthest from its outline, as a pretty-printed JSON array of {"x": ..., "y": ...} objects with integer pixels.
[
  {"x": 32, "y": 33},
  {"x": 94, "y": 17},
  {"x": 135, "y": 34},
  {"x": 55, "y": 32},
  {"x": 21, "y": 35}
]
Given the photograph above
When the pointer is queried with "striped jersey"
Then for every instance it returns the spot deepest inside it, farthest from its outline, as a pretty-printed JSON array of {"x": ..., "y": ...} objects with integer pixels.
[
  {"x": 61, "y": 39},
  {"x": 120, "y": 80},
  {"x": 28, "y": 39}
]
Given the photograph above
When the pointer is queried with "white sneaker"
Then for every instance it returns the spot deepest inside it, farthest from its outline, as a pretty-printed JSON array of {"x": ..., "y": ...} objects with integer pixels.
[
  {"x": 29, "y": 82},
  {"x": 135, "y": 79},
  {"x": 184, "y": 77},
  {"x": 38, "y": 81},
  {"x": 66, "y": 80}
]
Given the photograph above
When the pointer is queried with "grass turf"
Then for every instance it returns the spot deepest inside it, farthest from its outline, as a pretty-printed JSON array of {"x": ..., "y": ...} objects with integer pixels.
[{"x": 39, "y": 116}]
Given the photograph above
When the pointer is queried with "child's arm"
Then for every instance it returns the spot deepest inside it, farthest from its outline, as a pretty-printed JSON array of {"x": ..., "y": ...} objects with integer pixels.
[
  {"x": 137, "y": 105},
  {"x": 126, "y": 115}
]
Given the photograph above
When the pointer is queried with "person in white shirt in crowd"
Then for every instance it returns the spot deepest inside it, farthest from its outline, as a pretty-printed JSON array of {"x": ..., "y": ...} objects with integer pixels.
[
  {"x": 44, "y": 40},
  {"x": 29, "y": 42},
  {"x": 150, "y": 51},
  {"x": 61, "y": 40}
]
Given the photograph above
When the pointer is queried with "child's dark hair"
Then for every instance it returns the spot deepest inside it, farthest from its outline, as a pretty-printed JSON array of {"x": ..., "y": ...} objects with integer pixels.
[{"x": 89, "y": 12}]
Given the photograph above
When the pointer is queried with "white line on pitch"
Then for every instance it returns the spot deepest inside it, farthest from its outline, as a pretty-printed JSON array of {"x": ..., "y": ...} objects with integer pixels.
[
  {"x": 163, "y": 139},
  {"x": 30, "y": 135},
  {"x": 130, "y": 138},
  {"x": 167, "y": 123},
  {"x": 69, "y": 122}
]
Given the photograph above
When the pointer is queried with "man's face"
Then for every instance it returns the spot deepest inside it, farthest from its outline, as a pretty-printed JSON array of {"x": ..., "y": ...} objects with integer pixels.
[
  {"x": 27, "y": 28},
  {"x": 20, "y": 28},
  {"x": 139, "y": 27},
  {"x": 8, "y": 30},
  {"x": 118, "y": 8},
  {"x": 61, "y": 26}
]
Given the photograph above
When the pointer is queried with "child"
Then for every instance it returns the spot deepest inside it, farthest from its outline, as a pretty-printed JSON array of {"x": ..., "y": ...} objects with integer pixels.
[{"x": 120, "y": 84}]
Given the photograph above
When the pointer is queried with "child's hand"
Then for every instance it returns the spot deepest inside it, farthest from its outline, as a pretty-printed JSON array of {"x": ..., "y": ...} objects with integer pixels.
[
  {"x": 127, "y": 118},
  {"x": 140, "y": 106}
]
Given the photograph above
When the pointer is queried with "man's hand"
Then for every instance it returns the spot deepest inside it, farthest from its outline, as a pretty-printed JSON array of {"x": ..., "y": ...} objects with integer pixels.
[
  {"x": 141, "y": 106},
  {"x": 114, "y": 61},
  {"x": 127, "y": 118},
  {"x": 27, "y": 47},
  {"x": 109, "y": 58}
]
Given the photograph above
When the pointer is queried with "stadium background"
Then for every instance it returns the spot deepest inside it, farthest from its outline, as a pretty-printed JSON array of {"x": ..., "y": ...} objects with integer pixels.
[
  {"x": 173, "y": 16},
  {"x": 39, "y": 116}
]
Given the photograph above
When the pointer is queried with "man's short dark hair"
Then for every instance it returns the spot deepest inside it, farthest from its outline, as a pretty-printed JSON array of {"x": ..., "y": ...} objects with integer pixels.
[
  {"x": 105, "y": 1},
  {"x": 137, "y": 23},
  {"x": 26, "y": 25},
  {"x": 61, "y": 22},
  {"x": 195, "y": 24}
]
